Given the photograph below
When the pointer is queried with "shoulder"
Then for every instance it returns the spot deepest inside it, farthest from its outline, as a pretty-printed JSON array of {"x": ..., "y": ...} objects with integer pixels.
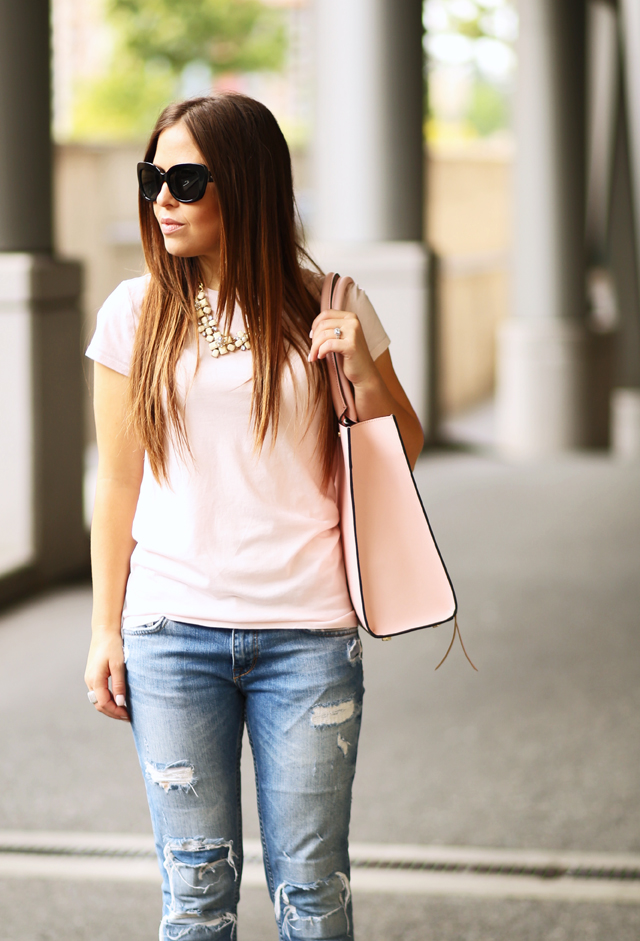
[
  {"x": 116, "y": 324},
  {"x": 357, "y": 301},
  {"x": 124, "y": 304},
  {"x": 127, "y": 296}
]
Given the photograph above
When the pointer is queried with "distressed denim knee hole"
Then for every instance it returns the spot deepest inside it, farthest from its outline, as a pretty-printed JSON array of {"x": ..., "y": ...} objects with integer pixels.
[
  {"x": 202, "y": 874},
  {"x": 219, "y": 927},
  {"x": 315, "y": 910}
]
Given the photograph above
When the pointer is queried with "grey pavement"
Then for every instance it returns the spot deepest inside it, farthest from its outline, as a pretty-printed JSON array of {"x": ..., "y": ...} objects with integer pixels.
[{"x": 539, "y": 749}]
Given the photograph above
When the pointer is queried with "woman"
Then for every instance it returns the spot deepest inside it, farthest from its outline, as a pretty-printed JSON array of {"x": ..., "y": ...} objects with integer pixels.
[{"x": 219, "y": 588}]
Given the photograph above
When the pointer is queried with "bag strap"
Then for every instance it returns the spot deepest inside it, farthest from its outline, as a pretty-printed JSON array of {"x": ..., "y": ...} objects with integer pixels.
[{"x": 334, "y": 291}]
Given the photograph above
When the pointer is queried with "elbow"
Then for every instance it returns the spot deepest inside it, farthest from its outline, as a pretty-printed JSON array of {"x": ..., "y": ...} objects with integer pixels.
[
  {"x": 414, "y": 444},
  {"x": 415, "y": 454}
]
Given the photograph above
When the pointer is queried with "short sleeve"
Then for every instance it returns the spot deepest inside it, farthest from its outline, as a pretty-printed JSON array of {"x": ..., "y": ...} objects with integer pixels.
[
  {"x": 374, "y": 333},
  {"x": 112, "y": 342}
]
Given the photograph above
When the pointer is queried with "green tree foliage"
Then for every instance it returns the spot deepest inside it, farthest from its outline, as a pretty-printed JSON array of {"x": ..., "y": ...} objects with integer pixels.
[
  {"x": 474, "y": 37},
  {"x": 154, "y": 41},
  {"x": 488, "y": 109},
  {"x": 124, "y": 103},
  {"x": 475, "y": 19},
  {"x": 229, "y": 35}
]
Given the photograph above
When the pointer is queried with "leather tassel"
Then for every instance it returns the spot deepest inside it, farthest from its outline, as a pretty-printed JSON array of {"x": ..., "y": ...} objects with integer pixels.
[{"x": 456, "y": 630}]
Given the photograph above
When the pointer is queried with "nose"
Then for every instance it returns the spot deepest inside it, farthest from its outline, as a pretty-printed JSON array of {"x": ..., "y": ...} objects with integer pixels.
[{"x": 164, "y": 197}]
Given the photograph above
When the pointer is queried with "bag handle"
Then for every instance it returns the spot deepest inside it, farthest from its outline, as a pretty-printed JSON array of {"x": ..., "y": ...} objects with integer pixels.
[{"x": 334, "y": 292}]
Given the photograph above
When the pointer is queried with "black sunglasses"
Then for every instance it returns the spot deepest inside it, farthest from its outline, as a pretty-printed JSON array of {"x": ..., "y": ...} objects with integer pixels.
[{"x": 187, "y": 182}]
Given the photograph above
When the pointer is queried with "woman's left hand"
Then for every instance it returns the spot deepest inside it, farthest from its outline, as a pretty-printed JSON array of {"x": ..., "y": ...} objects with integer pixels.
[
  {"x": 376, "y": 387},
  {"x": 340, "y": 331}
]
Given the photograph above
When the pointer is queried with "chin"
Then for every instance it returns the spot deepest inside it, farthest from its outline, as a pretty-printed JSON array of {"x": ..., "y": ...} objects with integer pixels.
[{"x": 180, "y": 251}]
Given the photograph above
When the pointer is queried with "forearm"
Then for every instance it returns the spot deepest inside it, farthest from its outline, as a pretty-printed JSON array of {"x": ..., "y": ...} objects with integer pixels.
[
  {"x": 374, "y": 400},
  {"x": 120, "y": 471},
  {"x": 111, "y": 548}
]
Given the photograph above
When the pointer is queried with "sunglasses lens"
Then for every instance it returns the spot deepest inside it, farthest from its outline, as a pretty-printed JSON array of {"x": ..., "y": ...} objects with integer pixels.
[
  {"x": 187, "y": 183},
  {"x": 150, "y": 182}
]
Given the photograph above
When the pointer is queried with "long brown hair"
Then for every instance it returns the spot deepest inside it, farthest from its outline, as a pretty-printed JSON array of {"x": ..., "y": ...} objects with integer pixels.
[{"x": 261, "y": 268}]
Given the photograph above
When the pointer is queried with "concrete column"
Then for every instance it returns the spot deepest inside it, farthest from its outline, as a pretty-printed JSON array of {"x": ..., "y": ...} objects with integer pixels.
[
  {"x": 369, "y": 167},
  {"x": 368, "y": 147},
  {"x": 543, "y": 350},
  {"x": 25, "y": 143},
  {"x": 603, "y": 95},
  {"x": 42, "y": 537},
  {"x": 625, "y": 404},
  {"x": 630, "y": 36}
]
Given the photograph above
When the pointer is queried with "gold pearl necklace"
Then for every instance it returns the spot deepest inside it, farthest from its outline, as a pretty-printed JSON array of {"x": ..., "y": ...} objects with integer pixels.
[{"x": 219, "y": 343}]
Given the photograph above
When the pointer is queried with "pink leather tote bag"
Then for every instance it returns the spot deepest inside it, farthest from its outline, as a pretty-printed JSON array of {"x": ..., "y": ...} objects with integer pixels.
[{"x": 395, "y": 573}]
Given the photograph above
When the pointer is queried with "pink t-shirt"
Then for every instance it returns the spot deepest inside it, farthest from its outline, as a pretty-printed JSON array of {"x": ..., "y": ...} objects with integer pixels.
[{"x": 236, "y": 539}]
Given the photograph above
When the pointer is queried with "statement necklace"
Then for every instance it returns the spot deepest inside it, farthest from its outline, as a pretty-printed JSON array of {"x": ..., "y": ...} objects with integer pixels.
[{"x": 219, "y": 343}]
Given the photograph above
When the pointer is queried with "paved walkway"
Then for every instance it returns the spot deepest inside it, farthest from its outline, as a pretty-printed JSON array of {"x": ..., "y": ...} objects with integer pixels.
[{"x": 539, "y": 750}]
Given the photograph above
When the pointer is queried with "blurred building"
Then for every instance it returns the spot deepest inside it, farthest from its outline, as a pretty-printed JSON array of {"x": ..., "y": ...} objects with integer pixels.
[
  {"x": 81, "y": 43},
  {"x": 470, "y": 228}
]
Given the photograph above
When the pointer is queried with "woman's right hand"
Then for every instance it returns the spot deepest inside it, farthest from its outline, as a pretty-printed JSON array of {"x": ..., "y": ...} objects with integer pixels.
[{"x": 106, "y": 659}]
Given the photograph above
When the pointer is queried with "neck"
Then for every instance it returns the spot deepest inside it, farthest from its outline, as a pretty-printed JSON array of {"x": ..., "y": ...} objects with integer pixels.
[{"x": 210, "y": 265}]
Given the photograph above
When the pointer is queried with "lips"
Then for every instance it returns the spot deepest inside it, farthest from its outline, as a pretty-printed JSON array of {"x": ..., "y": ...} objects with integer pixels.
[{"x": 169, "y": 225}]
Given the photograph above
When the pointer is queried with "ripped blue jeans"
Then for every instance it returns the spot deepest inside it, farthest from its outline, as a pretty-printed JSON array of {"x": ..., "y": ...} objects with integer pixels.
[{"x": 191, "y": 690}]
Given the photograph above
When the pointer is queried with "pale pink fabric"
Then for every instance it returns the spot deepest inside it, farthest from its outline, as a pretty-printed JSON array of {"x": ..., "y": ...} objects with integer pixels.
[{"x": 237, "y": 540}]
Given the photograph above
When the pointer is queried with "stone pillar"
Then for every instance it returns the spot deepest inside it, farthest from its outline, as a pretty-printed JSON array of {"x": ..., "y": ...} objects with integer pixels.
[
  {"x": 25, "y": 143},
  {"x": 542, "y": 355},
  {"x": 42, "y": 536},
  {"x": 369, "y": 167},
  {"x": 630, "y": 35},
  {"x": 368, "y": 147},
  {"x": 625, "y": 403}
]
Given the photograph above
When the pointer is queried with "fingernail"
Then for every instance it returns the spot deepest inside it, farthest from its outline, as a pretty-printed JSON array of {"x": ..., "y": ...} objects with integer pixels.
[
  {"x": 311, "y": 334},
  {"x": 120, "y": 700},
  {"x": 309, "y": 358}
]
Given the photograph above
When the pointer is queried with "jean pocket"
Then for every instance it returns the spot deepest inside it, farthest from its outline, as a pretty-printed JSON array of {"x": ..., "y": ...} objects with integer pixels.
[{"x": 151, "y": 628}]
